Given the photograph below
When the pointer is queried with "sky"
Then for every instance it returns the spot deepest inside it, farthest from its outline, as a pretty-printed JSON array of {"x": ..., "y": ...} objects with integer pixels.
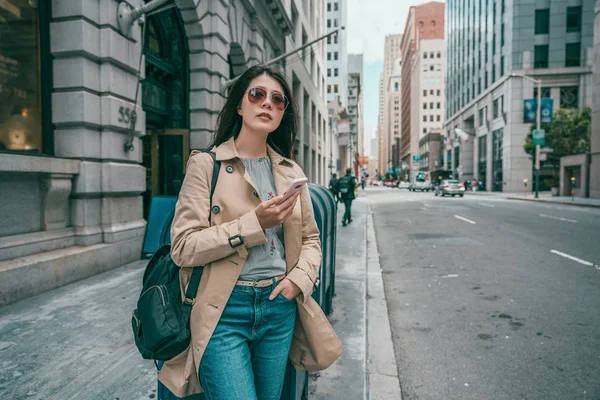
[{"x": 368, "y": 24}]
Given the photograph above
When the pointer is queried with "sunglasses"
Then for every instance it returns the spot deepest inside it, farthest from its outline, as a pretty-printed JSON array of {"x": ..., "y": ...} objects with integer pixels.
[{"x": 257, "y": 95}]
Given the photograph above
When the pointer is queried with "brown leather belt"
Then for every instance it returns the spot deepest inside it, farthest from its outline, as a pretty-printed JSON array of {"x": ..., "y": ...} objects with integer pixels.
[{"x": 263, "y": 283}]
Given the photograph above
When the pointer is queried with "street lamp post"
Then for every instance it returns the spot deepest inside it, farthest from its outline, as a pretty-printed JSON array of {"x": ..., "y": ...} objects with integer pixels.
[{"x": 538, "y": 119}]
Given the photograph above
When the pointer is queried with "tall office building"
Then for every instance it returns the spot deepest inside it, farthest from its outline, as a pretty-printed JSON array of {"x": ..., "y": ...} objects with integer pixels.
[
  {"x": 391, "y": 61},
  {"x": 86, "y": 143},
  {"x": 337, "y": 53},
  {"x": 355, "y": 111},
  {"x": 427, "y": 104},
  {"x": 424, "y": 23},
  {"x": 595, "y": 139},
  {"x": 491, "y": 44}
]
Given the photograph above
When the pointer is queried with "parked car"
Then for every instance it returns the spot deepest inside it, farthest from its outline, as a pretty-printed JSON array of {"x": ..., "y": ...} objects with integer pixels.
[
  {"x": 404, "y": 185},
  {"x": 450, "y": 187}
]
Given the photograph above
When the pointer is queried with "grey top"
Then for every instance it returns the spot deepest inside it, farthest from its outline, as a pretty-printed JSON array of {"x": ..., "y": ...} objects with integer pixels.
[{"x": 266, "y": 260}]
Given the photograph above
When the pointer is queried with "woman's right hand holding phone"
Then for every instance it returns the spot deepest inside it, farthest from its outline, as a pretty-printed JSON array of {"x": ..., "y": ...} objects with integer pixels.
[{"x": 274, "y": 212}]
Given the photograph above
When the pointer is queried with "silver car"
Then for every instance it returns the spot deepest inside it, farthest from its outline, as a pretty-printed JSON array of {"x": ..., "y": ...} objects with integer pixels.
[{"x": 450, "y": 187}]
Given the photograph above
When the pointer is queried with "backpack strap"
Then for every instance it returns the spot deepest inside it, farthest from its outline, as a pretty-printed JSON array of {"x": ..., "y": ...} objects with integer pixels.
[{"x": 192, "y": 288}]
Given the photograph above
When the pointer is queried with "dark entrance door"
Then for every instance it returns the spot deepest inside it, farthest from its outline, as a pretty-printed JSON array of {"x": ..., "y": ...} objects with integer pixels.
[{"x": 165, "y": 100}]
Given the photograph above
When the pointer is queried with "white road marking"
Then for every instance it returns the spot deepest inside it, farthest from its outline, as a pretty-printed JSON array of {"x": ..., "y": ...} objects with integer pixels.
[
  {"x": 558, "y": 218},
  {"x": 450, "y": 276},
  {"x": 426, "y": 205},
  {"x": 570, "y": 257},
  {"x": 487, "y": 205},
  {"x": 408, "y": 219},
  {"x": 466, "y": 220}
]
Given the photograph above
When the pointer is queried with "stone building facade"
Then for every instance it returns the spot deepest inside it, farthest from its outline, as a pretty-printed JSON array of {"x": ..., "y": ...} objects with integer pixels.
[{"x": 77, "y": 169}]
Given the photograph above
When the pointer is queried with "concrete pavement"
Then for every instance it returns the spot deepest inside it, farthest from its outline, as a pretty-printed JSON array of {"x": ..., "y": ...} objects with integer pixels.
[{"x": 75, "y": 342}]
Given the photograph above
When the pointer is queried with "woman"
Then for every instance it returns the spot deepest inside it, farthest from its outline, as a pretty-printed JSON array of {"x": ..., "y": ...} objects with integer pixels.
[{"x": 261, "y": 253}]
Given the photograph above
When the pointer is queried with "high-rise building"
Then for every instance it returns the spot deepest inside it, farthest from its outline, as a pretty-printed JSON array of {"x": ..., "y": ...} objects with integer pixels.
[
  {"x": 491, "y": 45},
  {"x": 427, "y": 103},
  {"x": 86, "y": 142},
  {"x": 355, "y": 96},
  {"x": 382, "y": 166},
  {"x": 595, "y": 139},
  {"x": 389, "y": 90},
  {"x": 424, "y": 23},
  {"x": 337, "y": 53}
]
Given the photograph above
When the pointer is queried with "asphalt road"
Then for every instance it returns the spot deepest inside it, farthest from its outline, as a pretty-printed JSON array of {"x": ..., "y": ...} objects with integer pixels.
[{"x": 490, "y": 299}]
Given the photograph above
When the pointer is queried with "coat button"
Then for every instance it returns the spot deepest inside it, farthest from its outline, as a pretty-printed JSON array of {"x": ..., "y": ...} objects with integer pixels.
[
  {"x": 216, "y": 209},
  {"x": 229, "y": 169}
]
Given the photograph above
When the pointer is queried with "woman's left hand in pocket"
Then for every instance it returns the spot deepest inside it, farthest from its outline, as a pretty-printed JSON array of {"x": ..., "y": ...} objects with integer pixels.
[{"x": 287, "y": 288}]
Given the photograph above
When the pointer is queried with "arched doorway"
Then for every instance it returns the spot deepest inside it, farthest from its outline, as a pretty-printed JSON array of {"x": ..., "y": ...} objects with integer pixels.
[{"x": 165, "y": 93}]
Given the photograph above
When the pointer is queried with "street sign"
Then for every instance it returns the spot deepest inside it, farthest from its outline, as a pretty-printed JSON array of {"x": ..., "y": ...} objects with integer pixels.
[
  {"x": 417, "y": 157},
  {"x": 539, "y": 137}
]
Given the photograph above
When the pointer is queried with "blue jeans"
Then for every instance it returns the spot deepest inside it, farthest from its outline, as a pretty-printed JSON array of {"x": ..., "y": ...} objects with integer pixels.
[{"x": 247, "y": 354}]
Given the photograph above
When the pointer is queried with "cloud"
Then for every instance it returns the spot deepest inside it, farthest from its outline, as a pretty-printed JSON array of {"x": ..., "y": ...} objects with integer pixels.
[{"x": 370, "y": 21}]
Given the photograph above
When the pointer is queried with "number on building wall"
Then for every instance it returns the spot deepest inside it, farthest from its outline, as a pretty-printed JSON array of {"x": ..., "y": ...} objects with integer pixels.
[{"x": 125, "y": 114}]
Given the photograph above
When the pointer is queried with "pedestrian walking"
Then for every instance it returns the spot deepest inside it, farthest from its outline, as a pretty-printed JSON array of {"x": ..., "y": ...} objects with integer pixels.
[
  {"x": 256, "y": 282},
  {"x": 334, "y": 187},
  {"x": 347, "y": 185}
]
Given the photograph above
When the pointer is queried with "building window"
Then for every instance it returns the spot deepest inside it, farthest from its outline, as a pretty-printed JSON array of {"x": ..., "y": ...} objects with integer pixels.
[
  {"x": 502, "y": 66},
  {"x": 431, "y": 106},
  {"x": 425, "y": 68},
  {"x": 335, "y": 55},
  {"x": 542, "y": 22},
  {"x": 335, "y": 23},
  {"x": 328, "y": 56},
  {"x": 424, "y": 131},
  {"x": 335, "y": 6},
  {"x": 23, "y": 78},
  {"x": 439, "y": 92},
  {"x": 431, "y": 92},
  {"x": 502, "y": 35},
  {"x": 328, "y": 6},
  {"x": 438, "y": 118},
  {"x": 424, "y": 118},
  {"x": 329, "y": 23},
  {"x": 424, "y": 106},
  {"x": 328, "y": 71},
  {"x": 573, "y": 55},
  {"x": 431, "y": 54},
  {"x": 439, "y": 54},
  {"x": 545, "y": 92},
  {"x": 569, "y": 97},
  {"x": 328, "y": 88},
  {"x": 335, "y": 39},
  {"x": 395, "y": 86},
  {"x": 541, "y": 56},
  {"x": 335, "y": 72},
  {"x": 574, "y": 19},
  {"x": 431, "y": 118},
  {"x": 424, "y": 93},
  {"x": 431, "y": 67},
  {"x": 425, "y": 55},
  {"x": 335, "y": 88},
  {"x": 438, "y": 106}
]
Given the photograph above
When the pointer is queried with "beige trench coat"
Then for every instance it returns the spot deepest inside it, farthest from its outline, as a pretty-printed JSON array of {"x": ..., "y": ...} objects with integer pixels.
[{"x": 219, "y": 248}]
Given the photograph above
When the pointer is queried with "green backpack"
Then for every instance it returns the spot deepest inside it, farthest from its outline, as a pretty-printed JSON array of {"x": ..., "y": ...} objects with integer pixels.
[{"x": 161, "y": 321}]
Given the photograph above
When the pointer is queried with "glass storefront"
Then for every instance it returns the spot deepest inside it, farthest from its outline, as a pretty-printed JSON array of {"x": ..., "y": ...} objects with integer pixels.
[{"x": 20, "y": 76}]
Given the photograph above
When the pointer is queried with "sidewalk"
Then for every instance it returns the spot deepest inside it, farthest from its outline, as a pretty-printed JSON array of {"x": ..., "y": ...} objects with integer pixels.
[{"x": 75, "y": 342}]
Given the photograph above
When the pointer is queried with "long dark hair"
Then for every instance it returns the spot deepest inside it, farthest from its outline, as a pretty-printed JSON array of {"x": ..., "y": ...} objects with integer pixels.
[{"x": 229, "y": 122}]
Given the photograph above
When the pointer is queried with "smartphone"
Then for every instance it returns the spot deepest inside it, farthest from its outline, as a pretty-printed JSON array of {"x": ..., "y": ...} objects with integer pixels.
[{"x": 294, "y": 187}]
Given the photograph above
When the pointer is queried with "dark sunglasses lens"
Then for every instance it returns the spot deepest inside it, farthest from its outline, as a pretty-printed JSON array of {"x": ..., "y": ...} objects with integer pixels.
[
  {"x": 278, "y": 100},
  {"x": 256, "y": 95}
]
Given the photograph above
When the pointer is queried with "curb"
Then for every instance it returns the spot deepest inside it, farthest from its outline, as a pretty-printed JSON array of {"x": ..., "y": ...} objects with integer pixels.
[
  {"x": 565, "y": 202},
  {"x": 382, "y": 370}
]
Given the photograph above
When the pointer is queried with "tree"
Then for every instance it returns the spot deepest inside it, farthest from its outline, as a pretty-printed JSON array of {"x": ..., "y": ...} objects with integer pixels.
[{"x": 567, "y": 134}]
